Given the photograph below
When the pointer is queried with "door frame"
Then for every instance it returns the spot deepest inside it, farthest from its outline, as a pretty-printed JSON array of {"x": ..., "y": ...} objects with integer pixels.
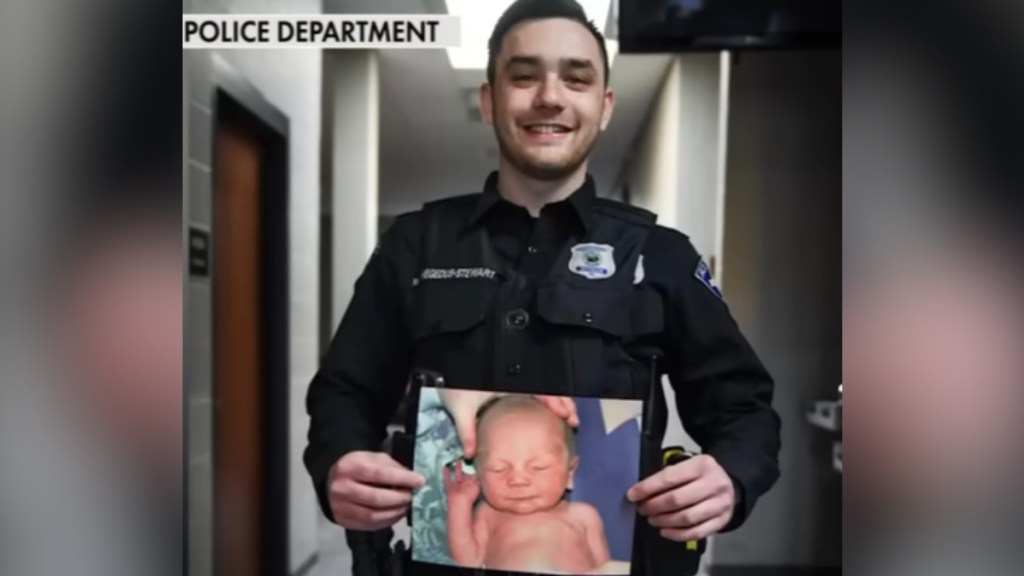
[{"x": 236, "y": 100}]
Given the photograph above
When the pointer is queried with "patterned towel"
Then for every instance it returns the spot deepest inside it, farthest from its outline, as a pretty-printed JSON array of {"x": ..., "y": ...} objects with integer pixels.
[{"x": 437, "y": 446}]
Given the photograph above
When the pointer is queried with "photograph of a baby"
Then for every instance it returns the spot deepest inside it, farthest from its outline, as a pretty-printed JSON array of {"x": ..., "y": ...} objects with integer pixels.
[{"x": 524, "y": 483}]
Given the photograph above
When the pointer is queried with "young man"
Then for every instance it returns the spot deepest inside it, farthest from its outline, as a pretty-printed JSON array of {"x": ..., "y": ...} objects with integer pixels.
[{"x": 538, "y": 286}]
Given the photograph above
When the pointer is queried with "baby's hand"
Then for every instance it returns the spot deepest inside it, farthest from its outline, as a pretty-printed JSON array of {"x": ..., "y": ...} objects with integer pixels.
[{"x": 460, "y": 487}]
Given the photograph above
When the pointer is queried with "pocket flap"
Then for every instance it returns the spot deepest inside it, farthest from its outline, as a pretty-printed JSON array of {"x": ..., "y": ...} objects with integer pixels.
[
  {"x": 597, "y": 309},
  {"x": 450, "y": 306}
]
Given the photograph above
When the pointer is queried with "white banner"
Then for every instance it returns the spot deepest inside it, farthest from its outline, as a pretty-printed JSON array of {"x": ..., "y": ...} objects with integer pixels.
[{"x": 320, "y": 31}]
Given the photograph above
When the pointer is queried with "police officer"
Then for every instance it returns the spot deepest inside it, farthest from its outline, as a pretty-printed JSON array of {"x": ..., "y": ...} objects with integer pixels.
[{"x": 536, "y": 285}]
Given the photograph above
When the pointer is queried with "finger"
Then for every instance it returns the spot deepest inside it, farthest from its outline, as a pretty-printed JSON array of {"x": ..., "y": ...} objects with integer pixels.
[
  {"x": 466, "y": 429},
  {"x": 692, "y": 516},
  {"x": 573, "y": 417},
  {"x": 361, "y": 518},
  {"x": 666, "y": 479},
  {"x": 447, "y": 476},
  {"x": 555, "y": 404},
  {"x": 677, "y": 499},
  {"x": 696, "y": 533},
  {"x": 564, "y": 407},
  {"x": 374, "y": 497},
  {"x": 458, "y": 472},
  {"x": 384, "y": 471}
]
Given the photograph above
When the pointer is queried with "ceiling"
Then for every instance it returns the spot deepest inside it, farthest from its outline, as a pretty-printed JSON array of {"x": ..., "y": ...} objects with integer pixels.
[{"x": 433, "y": 144}]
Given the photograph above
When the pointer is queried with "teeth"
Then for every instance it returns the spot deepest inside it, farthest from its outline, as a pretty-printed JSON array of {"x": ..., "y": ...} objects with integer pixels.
[{"x": 546, "y": 128}]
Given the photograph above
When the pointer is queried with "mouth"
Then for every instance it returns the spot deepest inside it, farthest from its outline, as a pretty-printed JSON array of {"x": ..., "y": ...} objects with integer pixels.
[{"x": 545, "y": 131}]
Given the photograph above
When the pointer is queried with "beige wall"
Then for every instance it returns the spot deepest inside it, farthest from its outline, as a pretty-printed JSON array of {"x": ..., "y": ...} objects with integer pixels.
[
  {"x": 351, "y": 179},
  {"x": 654, "y": 174}
]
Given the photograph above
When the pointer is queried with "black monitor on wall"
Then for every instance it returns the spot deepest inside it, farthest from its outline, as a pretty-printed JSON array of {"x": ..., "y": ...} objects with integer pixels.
[{"x": 660, "y": 26}]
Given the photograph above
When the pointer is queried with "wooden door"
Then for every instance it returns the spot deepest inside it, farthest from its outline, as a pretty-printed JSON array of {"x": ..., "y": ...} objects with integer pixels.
[{"x": 238, "y": 384}]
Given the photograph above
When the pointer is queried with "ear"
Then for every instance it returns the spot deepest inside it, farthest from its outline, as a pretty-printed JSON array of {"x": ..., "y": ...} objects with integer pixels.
[
  {"x": 609, "y": 106},
  {"x": 487, "y": 103},
  {"x": 573, "y": 464}
]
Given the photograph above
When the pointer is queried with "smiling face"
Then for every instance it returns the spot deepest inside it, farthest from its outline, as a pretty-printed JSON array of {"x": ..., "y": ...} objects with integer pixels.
[
  {"x": 549, "y": 100},
  {"x": 524, "y": 463}
]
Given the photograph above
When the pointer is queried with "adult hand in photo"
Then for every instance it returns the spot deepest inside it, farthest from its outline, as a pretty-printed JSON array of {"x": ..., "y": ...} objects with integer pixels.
[
  {"x": 688, "y": 501},
  {"x": 463, "y": 406},
  {"x": 370, "y": 490}
]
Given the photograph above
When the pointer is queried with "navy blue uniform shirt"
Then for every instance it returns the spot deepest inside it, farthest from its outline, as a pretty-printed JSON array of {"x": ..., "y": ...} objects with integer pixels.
[{"x": 723, "y": 393}]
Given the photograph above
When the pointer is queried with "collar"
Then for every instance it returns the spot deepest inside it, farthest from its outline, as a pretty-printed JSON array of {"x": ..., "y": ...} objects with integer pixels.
[{"x": 582, "y": 200}]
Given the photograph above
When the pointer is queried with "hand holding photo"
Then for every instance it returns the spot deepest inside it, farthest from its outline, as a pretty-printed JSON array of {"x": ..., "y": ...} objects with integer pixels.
[{"x": 531, "y": 499}]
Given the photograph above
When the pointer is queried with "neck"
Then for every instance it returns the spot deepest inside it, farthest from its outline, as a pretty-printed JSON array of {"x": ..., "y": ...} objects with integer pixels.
[{"x": 534, "y": 194}]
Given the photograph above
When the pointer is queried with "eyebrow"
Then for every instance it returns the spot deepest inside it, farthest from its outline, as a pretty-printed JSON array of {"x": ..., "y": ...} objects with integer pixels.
[
  {"x": 578, "y": 63},
  {"x": 522, "y": 61},
  {"x": 571, "y": 63}
]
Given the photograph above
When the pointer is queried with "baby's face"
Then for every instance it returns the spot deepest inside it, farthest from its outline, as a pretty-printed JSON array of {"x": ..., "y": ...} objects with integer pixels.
[{"x": 524, "y": 463}]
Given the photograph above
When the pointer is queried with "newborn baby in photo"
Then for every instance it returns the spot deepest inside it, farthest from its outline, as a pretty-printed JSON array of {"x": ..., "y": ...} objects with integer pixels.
[{"x": 525, "y": 463}]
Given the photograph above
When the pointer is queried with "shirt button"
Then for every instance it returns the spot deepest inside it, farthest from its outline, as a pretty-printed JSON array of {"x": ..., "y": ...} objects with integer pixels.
[
  {"x": 518, "y": 319},
  {"x": 531, "y": 249},
  {"x": 514, "y": 369},
  {"x": 588, "y": 317}
]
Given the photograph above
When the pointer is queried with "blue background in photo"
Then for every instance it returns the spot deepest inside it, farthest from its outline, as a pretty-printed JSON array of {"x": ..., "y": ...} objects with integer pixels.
[{"x": 609, "y": 466}]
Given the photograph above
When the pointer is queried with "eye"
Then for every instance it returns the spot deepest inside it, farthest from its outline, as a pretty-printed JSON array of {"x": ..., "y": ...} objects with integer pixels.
[{"x": 579, "y": 80}]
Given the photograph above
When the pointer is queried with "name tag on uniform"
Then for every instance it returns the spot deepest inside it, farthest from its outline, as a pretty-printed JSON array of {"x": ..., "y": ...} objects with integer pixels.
[
  {"x": 457, "y": 273},
  {"x": 593, "y": 261}
]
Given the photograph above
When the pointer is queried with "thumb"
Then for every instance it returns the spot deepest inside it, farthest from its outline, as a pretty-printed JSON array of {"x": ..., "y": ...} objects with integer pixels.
[{"x": 467, "y": 436}]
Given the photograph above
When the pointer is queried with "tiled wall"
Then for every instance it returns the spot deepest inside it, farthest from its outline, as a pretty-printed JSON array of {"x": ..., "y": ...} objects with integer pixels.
[
  {"x": 199, "y": 350},
  {"x": 290, "y": 82}
]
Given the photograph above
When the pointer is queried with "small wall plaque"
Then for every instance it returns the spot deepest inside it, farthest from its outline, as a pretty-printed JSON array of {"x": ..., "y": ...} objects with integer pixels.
[{"x": 198, "y": 252}]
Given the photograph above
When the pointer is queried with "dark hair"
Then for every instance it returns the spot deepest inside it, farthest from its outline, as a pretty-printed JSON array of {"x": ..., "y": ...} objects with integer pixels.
[{"x": 523, "y": 10}]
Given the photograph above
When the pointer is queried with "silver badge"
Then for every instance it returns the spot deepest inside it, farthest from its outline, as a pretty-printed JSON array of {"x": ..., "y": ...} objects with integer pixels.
[{"x": 593, "y": 261}]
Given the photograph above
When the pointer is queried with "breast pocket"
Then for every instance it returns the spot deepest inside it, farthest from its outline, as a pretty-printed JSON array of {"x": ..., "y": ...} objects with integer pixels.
[
  {"x": 593, "y": 325},
  {"x": 449, "y": 329},
  {"x": 450, "y": 307}
]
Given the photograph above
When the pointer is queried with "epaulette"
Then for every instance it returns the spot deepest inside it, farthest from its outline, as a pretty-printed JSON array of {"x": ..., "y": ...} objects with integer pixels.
[
  {"x": 623, "y": 211},
  {"x": 462, "y": 201}
]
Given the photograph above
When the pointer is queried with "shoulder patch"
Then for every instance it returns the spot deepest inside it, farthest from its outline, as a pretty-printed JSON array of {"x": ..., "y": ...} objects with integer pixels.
[{"x": 703, "y": 275}]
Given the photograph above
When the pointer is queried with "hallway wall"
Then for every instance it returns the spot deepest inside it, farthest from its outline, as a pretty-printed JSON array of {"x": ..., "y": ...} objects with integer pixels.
[
  {"x": 783, "y": 283},
  {"x": 290, "y": 81},
  {"x": 676, "y": 170},
  {"x": 758, "y": 190},
  {"x": 677, "y": 174}
]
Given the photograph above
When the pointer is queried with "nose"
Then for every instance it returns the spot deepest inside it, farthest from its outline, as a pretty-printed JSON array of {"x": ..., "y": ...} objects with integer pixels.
[
  {"x": 518, "y": 479},
  {"x": 549, "y": 92}
]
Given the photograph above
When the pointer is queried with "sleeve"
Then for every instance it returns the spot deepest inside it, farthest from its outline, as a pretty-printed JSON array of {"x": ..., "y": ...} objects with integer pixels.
[
  {"x": 723, "y": 392},
  {"x": 363, "y": 376}
]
